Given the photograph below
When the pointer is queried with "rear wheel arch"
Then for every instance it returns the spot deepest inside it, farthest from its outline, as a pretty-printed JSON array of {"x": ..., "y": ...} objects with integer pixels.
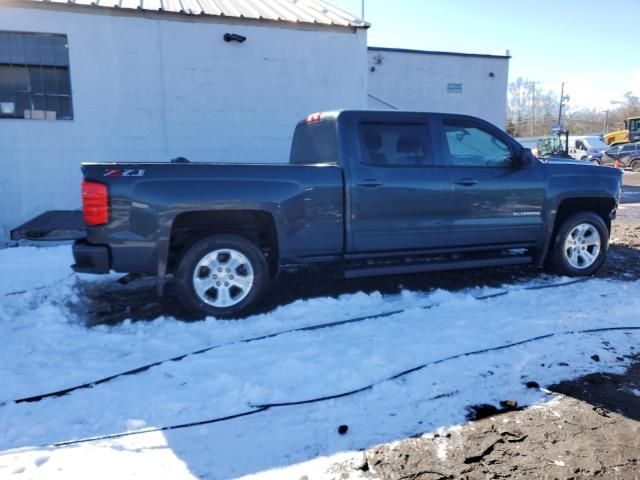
[
  {"x": 223, "y": 275},
  {"x": 256, "y": 226}
]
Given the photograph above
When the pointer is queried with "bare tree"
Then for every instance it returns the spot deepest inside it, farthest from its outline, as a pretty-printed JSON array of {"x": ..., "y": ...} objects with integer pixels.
[
  {"x": 533, "y": 112},
  {"x": 530, "y": 111}
]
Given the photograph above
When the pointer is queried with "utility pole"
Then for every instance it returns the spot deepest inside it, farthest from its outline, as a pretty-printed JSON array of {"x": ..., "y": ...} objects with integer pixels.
[
  {"x": 606, "y": 121},
  {"x": 533, "y": 107},
  {"x": 561, "y": 101},
  {"x": 362, "y": 15}
]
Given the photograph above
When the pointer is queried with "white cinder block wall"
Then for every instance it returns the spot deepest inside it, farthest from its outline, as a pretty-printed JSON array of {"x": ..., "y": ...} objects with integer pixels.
[
  {"x": 415, "y": 80},
  {"x": 150, "y": 87}
]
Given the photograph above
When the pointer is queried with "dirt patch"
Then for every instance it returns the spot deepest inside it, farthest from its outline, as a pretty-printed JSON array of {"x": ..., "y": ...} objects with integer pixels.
[{"x": 590, "y": 430}]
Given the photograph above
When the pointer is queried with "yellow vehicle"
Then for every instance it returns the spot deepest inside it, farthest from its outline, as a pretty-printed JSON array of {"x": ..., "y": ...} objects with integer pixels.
[{"x": 631, "y": 133}]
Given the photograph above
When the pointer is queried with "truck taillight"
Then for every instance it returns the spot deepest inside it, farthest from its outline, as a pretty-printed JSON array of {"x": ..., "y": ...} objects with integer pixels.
[{"x": 95, "y": 203}]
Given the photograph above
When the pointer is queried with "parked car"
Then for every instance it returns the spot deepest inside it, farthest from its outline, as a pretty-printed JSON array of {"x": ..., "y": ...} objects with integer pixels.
[
  {"x": 371, "y": 192},
  {"x": 627, "y": 154},
  {"x": 609, "y": 156}
]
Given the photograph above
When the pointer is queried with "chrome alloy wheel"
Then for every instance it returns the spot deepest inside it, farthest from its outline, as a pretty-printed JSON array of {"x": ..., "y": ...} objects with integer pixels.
[
  {"x": 582, "y": 246},
  {"x": 223, "y": 278}
]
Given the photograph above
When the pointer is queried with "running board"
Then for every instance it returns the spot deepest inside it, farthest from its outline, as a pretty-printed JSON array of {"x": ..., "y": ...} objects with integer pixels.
[{"x": 437, "y": 266}]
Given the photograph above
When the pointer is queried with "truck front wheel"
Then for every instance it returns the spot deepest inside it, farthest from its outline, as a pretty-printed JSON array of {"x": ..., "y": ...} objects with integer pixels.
[
  {"x": 221, "y": 275},
  {"x": 580, "y": 245}
]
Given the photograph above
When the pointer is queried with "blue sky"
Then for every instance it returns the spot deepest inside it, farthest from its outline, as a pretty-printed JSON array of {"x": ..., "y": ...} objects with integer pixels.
[{"x": 580, "y": 42}]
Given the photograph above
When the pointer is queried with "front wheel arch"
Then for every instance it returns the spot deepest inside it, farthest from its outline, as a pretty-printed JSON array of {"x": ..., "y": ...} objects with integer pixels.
[{"x": 564, "y": 245}]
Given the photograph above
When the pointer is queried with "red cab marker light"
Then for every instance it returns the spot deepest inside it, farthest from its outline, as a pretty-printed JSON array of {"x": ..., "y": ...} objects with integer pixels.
[
  {"x": 95, "y": 203},
  {"x": 314, "y": 117}
]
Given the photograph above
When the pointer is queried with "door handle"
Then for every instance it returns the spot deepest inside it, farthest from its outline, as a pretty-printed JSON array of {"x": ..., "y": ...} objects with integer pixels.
[
  {"x": 370, "y": 183},
  {"x": 467, "y": 182}
]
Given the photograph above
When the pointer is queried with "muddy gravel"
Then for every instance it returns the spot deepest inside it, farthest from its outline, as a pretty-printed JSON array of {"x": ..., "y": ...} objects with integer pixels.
[{"x": 590, "y": 429}]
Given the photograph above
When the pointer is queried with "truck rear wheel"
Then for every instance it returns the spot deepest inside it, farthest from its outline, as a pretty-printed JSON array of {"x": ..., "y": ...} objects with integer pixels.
[
  {"x": 580, "y": 245},
  {"x": 221, "y": 275}
]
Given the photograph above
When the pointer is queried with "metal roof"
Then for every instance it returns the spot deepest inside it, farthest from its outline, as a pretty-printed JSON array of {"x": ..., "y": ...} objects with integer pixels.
[
  {"x": 316, "y": 12},
  {"x": 437, "y": 52}
]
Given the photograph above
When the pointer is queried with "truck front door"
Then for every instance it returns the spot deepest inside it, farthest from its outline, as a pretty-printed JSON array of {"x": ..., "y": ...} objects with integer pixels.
[
  {"x": 398, "y": 190},
  {"x": 495, "y": 201}
]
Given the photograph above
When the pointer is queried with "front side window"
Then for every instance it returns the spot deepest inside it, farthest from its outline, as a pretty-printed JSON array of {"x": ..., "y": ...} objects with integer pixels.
[
  {"x": 394, "y": 145},
  {"x": 472, "y": 146},
  {"x": 613, "y": 150},
  {"x": 34, "y": 76}
]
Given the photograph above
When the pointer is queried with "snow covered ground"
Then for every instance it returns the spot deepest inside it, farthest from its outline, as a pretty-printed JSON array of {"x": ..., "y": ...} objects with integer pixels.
[{"x": 46, "y": 345}]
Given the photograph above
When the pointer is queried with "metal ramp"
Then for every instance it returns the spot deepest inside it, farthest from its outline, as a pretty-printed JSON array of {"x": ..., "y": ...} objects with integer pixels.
[{"x": 54, "y": 225}]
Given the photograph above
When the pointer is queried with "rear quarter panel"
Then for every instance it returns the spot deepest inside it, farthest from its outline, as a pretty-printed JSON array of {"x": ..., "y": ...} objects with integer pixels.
[{"x": 306, "y": 203}]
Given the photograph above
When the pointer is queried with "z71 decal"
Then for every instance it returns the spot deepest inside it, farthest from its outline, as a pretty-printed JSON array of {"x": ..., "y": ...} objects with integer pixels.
[{"x": 124, "y": 172}]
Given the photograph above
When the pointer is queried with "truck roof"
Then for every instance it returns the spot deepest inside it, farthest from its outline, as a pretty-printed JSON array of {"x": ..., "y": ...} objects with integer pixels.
[{"x": 336, "y": 114}]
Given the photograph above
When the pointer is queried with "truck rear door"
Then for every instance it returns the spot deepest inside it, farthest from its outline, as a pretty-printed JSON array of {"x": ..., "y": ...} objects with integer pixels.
[{"x": 397, "y": 189}]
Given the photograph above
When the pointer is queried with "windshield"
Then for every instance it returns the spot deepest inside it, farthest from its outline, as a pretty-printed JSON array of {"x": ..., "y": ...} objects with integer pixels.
[{"x": 595, "y": 142}]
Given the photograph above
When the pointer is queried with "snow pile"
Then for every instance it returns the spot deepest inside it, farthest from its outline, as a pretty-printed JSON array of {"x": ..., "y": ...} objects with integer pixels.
[{"x": 45, "y": 345}]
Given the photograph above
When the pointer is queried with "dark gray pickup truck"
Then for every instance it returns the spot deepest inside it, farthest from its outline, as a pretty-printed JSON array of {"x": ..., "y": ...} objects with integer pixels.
[{"x": 371, "y": 192}]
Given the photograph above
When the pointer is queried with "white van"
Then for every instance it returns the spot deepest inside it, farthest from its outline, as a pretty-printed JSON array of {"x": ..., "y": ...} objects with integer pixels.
[{"x": 586, "y": 147}]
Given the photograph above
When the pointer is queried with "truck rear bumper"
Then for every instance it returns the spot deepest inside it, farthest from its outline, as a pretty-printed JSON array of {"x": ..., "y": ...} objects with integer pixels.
[{"x": 91, "y": 258}]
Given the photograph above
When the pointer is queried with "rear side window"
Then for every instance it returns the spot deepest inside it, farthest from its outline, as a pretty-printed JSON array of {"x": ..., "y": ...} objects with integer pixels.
[
  {"x": 628, "y": 148},
  {"x": 394, "y": 145},
  {"x": 472, "y": 146},
  {"x": 314, "y": 143}
]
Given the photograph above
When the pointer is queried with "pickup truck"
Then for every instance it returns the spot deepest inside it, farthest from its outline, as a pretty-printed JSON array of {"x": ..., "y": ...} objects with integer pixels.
[{"x": 371, "y": 192}]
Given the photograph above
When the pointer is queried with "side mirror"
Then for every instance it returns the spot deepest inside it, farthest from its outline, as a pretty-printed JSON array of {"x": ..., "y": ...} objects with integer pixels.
[{"x": 525, "y": 158}]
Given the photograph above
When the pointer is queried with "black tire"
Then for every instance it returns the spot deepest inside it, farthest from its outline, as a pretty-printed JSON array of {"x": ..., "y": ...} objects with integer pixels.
[
  {"x": 558, "y": 256},
  {"x": 635, "y": 165},
  {"x": 185, "y": 281}
]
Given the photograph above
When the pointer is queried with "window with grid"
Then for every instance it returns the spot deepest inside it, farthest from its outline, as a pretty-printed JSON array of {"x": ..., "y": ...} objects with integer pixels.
[
  {"x": 34, "y": 76},
  {"x": 454, "y": 88}
]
